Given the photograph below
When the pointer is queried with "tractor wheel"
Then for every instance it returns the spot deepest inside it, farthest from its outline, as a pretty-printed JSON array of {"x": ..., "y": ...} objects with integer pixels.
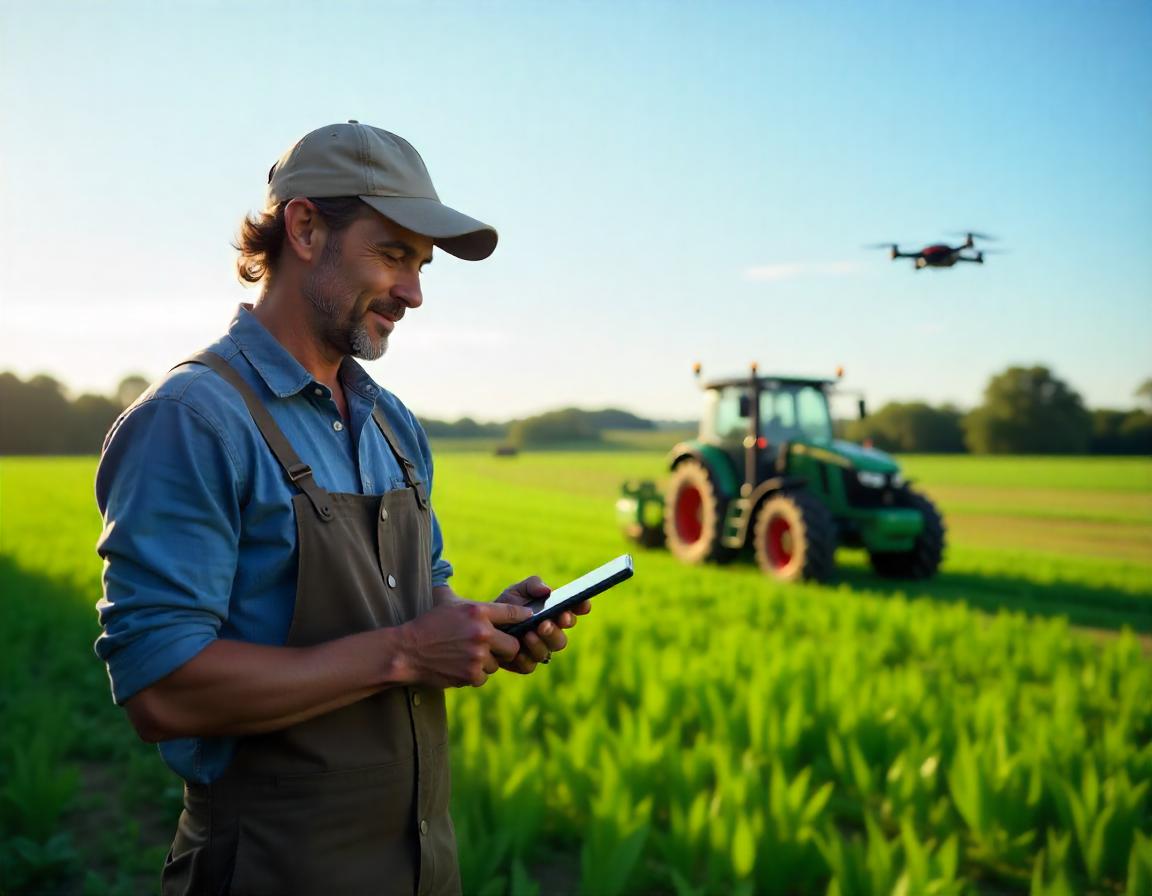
[
  {"x": 924, "y": 559},
  {"x": 795, "y": 538},
  {"x": 694, "y": 515}
]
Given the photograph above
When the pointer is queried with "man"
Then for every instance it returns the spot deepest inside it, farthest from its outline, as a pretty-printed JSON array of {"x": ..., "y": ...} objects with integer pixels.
[{"x": 276, "y": 610}]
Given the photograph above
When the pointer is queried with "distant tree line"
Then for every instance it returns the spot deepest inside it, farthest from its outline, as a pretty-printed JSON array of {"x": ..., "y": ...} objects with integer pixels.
[
  {"x": 562, "y": 426},
  {"x": 37, "y": 417},
  {"x": 1025, "y": 410}
]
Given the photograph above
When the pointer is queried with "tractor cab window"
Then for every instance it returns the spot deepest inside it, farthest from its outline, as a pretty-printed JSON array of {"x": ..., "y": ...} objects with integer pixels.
[
  {"x": 778, "y": 415},
  {"x": 812, "y": 413},
  {"x": 794, "y": 412},
  {"x": 727, "y": 422}
]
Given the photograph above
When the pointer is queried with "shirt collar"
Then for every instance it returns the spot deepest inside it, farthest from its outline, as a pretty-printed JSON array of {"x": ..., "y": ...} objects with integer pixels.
[
  {"x": 356, "y": 378},
  {"x": 281, "y": 372}
]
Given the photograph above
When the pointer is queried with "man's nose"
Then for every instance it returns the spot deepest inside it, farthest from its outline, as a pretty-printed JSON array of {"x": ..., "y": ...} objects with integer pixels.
[{"x": 407, "y": 290}]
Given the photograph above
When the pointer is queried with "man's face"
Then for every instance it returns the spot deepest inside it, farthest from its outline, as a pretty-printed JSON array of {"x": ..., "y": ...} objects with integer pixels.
[{"x": 367, "y": 277}]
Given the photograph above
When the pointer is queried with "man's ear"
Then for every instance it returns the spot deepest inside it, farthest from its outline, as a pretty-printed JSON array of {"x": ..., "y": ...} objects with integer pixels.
[{"x": 304, "y": 230}]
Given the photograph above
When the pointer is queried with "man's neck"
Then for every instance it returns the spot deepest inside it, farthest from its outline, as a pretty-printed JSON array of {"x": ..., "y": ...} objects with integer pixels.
[{"x": 289, "y": 321}]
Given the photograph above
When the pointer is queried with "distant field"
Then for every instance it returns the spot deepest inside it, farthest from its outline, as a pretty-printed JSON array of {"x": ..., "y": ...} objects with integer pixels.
[{"x": 709, "y": 731}]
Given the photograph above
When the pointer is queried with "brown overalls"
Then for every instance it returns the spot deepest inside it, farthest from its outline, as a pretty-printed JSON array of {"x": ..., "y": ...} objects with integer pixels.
[{"x": 354, "y": 801}]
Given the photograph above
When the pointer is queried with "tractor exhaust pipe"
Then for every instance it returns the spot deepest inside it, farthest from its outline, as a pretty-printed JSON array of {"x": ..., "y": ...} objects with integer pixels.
[{"x": 751, "y": 446}]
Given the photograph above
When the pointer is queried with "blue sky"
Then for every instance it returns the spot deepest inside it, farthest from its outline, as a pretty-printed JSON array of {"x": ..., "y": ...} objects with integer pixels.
[{"x": 672, "y": 182}]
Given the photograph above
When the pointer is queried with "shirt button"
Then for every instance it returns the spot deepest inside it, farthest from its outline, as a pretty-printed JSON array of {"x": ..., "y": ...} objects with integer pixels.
[
  {"x": 391, "y": 580},
  {"x": 338, "y": 426},
  {"x": 424, "y": 826},
  {"x": 415, "y": 699},
  {"x": 317, "y": 391}
]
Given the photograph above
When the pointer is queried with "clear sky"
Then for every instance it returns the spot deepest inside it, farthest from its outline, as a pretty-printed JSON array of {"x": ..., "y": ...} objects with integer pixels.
[{"x": 672, "y": 182}]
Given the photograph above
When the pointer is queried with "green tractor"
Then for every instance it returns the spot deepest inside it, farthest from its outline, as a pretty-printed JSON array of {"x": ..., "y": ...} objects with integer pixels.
[{"x": 766, "y": 473}]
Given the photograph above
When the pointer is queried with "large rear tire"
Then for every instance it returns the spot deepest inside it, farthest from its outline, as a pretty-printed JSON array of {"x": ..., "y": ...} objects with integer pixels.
[
  {"x": 694, "y": 515},
  {"x": 795, "y": 538},
  {"x": 924, "y": 559}
]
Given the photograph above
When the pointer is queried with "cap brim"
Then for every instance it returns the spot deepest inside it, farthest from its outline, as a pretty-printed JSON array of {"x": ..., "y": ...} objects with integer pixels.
[{"x": 454, "y": 232}]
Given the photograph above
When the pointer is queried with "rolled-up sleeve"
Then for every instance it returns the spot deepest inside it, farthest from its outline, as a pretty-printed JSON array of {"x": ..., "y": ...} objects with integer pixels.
[{"x": 168, "y": 487}]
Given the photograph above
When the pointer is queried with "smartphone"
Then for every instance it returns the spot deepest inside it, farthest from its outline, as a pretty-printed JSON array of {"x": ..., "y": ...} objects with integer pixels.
[{"x": 566, "y": 596}]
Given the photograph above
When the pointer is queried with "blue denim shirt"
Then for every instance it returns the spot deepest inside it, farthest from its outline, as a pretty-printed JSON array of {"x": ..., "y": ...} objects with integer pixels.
[{"x": 199, "y": 537}]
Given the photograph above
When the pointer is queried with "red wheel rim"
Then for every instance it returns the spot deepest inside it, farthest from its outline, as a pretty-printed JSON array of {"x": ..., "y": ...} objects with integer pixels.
[
  {"x": 689, "y": 514},
  {"x": 779, "y": 540}
]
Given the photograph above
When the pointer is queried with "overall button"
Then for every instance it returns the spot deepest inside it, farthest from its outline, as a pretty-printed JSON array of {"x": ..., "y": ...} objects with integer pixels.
[
  {"x": 415, "y": 699},
  {"x": 391, "y": 580},
  {"x": 337, "y": 425},
  {"x": 424, "y": 826},
  {"x": 383, "y": 513},
  {"x": 318, "y": 391}
]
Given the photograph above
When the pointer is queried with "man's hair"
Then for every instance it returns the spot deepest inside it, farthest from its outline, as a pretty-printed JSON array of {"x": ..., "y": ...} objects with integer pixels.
[{"x": 261, "y": 236}]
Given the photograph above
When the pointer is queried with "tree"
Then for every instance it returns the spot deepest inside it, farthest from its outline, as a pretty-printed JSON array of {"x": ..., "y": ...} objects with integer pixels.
[
  {"x": 1028, "y": 410},
  {"x": 131, "y": 388},
  {"x": 1121, "y": 432},
  {"x": 90, "y": 419},
  {"x": 34, "y": 416},
  {"x": 911, "y": 427},
  {"x": 553, "y": 427},
  {"x": 614, "y": 418},
  {"x": 1144, "y": 393}
]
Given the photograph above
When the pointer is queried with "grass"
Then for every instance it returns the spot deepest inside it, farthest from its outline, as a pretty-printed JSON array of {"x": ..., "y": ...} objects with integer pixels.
[{"x": 688, "y": 682}]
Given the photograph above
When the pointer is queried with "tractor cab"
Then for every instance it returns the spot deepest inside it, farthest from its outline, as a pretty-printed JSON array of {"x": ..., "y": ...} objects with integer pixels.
[{"x": 786, "y": 410}]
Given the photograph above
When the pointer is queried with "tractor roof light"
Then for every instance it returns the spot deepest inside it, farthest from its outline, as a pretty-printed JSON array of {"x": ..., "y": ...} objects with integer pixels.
[
  {"x": 696, "y": 368},
  {"x": 840, "y": 372}
]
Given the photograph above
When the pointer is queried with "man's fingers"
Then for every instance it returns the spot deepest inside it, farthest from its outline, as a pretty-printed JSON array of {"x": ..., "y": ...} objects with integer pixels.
[
  {"x": 534, "y": 586},
  {"x": 506, "y": 614},
  {"x": 535, "y": 647},
  {"x": 504, "y": 646},
  {"x": 522, "y": 665}
]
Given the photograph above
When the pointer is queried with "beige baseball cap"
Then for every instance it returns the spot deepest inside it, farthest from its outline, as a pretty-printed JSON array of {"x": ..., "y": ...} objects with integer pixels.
[{"x": 386, "y": 172}]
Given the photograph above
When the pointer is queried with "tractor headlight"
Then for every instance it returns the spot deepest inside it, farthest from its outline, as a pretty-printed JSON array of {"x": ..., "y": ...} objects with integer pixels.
[
  {"x": 872, "y": 480},
  {"x": 897, "y": 480}
]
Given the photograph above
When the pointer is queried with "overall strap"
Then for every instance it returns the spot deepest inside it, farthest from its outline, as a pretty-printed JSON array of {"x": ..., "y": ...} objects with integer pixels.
[
  {"x": 298, "y": 472},
  {"x": 408, "y": 468}
]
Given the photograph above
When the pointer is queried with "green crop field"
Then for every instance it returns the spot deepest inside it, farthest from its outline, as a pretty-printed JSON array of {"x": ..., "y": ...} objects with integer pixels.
[{"x": 709, "y": 730}]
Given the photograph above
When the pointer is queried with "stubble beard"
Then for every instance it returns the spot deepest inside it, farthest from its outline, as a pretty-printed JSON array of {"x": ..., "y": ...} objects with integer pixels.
[{"x": 337, "y": 322}]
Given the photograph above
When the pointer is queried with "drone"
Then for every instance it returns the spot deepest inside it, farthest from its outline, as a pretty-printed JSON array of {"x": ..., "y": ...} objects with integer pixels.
[{"x": 941, "y": 255}]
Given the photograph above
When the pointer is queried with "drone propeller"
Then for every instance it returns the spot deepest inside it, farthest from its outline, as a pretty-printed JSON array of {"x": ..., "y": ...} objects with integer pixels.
[
  {"x": 995, "y": 251},
  {"x": 974, "y": 235},
  {"x": 878, "y": 246}
]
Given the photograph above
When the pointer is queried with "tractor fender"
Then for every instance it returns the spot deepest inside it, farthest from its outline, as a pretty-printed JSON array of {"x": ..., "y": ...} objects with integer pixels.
[
  {"x": 766, "y": 489},
  {"x": 769, "y": 487},
  {"x": 714, "y": 460},
  {"x": 742, "y": 523}
]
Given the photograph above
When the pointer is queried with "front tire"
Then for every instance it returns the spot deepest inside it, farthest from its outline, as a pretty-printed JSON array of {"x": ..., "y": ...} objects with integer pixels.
[
  {"x": 924, "y": 559},
  {"x": 694, "y": 515},
  {"x": 795, "y": 538}
]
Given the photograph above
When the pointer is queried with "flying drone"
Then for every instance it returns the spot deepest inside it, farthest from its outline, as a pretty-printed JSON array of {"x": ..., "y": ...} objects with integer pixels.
[{"x": 941, "y": 255}]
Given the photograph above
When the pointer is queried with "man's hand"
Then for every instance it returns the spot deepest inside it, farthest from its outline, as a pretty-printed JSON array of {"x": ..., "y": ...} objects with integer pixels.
[
  {"x": 458, "y": 644},
  {"x": 538, "y": 646}
]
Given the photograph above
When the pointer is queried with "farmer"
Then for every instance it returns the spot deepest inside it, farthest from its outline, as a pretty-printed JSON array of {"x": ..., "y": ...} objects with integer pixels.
[{"x": 276, "y": 610}]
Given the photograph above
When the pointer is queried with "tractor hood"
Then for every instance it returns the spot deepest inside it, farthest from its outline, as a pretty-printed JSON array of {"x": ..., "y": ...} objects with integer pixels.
[{"x": 848, "y": 455}]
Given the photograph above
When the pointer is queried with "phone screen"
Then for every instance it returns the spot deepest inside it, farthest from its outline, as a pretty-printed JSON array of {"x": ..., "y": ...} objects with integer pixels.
[{"x": 588, "y": 585}]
